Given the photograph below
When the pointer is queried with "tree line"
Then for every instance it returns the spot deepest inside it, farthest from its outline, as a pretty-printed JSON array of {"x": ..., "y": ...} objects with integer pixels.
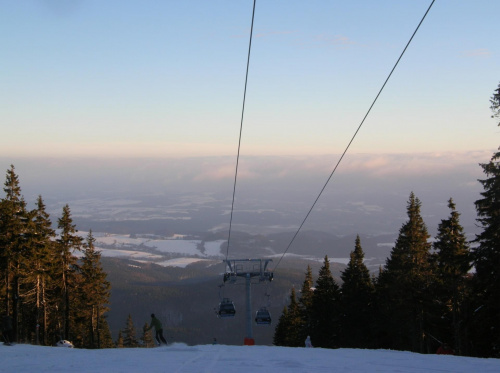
[
  {"x": 52, "y": 283},
  {"x": 127, "y": 338},
  {"x": 427, "y": 293}
]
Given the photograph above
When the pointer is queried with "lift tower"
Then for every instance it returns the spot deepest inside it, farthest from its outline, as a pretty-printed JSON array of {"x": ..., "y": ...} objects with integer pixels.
[{"x": 248, "y": 268}]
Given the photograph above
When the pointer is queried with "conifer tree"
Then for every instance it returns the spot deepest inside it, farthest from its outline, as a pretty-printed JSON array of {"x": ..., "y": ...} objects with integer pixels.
[
  {"x": 105, "y": 332},
  {"x": 68, "y": 242},
  {"x": 357, "y": 296},
  {"x": 120, "y": 341},
  {"x": 293, "y": 335},
  {"x": 486, "y": 256},
  {"x": 288, "y": 332},
  {"x": 403, "y": 286},
  {"x": 147, "y": 337},
  {"x": 453, "y": 264},
  {"x": 13, "y": 220},
  {"x": 37, "y": 272},
  {"x": 279, "y": 338},
  {"x": 130, "y": 340},
  {"x": 95, "y": 292},
  {"x": 305, "y": 302},
  {"x": 495, "y": 104},
  {"x": 325, "y": 325}
]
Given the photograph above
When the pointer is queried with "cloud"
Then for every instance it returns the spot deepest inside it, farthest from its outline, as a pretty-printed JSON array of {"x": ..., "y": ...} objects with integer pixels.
[
  {"x": 366, "y": 208},
  {"x": 414, "y": 163},
  {"x": 333, "y": 39},
  {"x": 481, "y": 52},
  {"x": 287, "y": 168},
  {"x": 326, "y": 40},
  {"x": 272, "y": 33},
  {"x": 264, "y": 34}
]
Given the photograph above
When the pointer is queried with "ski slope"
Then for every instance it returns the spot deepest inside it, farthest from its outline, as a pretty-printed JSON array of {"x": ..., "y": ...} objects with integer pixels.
[{"x": 179, "y": 357}]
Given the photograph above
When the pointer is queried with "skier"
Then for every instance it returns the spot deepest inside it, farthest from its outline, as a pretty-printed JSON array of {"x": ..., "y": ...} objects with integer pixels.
[
  {"x": 308, "y": 342},
  {"x": 7, "y": 330},
  {"x": 158, "y": 329}
]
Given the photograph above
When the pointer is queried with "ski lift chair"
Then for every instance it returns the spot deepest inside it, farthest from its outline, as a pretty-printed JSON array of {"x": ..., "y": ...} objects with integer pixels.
[
  {"x": 226, "y": 308},
  {"x": 263, "y": 317}
]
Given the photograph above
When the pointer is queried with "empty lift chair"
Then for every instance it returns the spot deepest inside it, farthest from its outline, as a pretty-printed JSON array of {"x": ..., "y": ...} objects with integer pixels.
[
  {"x": 263, "y": 317},
  {"x": 226, "y": 308}
]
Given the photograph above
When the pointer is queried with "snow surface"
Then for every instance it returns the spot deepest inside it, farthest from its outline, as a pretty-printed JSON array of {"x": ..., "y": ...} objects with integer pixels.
[
  {"x": 189, "y": 251},
  {"x": 181, "y": 262},
  {"x": 179, "y": 357}
]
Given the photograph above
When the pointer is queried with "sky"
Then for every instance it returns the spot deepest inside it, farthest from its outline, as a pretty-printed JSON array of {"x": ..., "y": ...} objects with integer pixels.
[
  {"x": 179, "y": 358},
  {"x": 139, "y": 79}
]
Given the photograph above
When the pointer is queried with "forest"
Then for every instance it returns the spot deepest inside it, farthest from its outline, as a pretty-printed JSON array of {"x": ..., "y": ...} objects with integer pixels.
[{"x": 48, "y": 293}]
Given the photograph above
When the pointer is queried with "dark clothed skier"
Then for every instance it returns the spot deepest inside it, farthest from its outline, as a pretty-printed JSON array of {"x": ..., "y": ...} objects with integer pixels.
[
  {"x": 158, "y": 329},
  {"x": 7, "y": 329}
]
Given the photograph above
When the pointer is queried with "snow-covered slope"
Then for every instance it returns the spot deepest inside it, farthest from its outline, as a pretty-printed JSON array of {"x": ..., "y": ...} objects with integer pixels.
[{"x": 228, "y": 359}]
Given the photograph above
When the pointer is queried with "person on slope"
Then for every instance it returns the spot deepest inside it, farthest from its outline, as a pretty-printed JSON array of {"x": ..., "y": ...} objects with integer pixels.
[
  {"x": 158, "y": 329},
  {"x": 308, "y": 342}
]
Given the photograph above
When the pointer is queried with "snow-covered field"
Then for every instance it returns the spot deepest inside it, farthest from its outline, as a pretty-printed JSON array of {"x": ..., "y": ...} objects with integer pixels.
[
  {"x": 178, "y": 358},
  {"x": 150, "y": 248}
]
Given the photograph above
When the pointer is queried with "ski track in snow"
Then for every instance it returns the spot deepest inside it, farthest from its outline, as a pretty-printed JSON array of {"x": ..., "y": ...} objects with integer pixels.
[{"x": 180, "y": 358}]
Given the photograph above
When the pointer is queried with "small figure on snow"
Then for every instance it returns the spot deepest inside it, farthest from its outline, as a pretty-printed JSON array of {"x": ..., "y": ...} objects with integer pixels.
[
  {"x": 7, "y": 329},
  {"x": 158, "y": 329},
  {"x": 308, "y": 342},
  {"x": 214, "y": 342},
  {"x": 445, "y": 349}
]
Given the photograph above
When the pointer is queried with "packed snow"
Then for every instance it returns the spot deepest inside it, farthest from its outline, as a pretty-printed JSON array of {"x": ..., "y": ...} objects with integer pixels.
[{"x": 179, "y": 357}]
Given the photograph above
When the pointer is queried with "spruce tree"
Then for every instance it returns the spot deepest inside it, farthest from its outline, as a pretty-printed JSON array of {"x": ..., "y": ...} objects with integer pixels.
[
  {"x": 486, "y": 256},
  {"x": 67, "y": 243},
  {"x": 119, "y": 341},
  {"x": 95, "y": 292},
  {"x": 403, "y": 286},
  {"x": 13, "y": 222},
  {"x": 130, "y": 340},
  {"x": 294, "y": 336},
  {"x": 325, "y": 323},
  {"x": 105, "y": 334},
  {"x": 147, "y": 337},
  {"x": 288, "y": 331},
  {"x": 495, "y": 104},
  {"x": 280, "y": 332},
  {"x": 453, "y": 264},
  {"x": 305, "y": 302},
  {"x": 37, "y": 273},
  {"x": 357, "y": 296}
]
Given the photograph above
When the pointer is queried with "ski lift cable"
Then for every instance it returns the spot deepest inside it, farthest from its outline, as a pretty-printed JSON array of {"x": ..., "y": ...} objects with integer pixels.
[
  {"x": 241, "y": 130},
  {"x": 354, "y": 136}
]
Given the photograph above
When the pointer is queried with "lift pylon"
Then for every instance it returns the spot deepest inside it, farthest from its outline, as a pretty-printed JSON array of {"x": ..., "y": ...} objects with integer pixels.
[{"x": 248, "y": 269}]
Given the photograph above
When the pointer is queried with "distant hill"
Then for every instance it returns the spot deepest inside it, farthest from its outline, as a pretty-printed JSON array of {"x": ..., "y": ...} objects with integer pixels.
[{"x": 185, "y": 298}]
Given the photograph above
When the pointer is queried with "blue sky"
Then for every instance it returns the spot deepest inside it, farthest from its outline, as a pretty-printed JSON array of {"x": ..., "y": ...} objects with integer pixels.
[{"x": 165, "y": 78}]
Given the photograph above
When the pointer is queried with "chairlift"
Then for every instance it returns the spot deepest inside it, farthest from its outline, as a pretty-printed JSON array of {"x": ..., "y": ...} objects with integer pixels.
[
  {"x": 263, "y": 317},
  {"x": 226, "y": 308}
]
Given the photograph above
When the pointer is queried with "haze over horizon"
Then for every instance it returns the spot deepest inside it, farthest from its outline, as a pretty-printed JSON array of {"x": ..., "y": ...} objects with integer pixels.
[{"x": 367, "y": 195}]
